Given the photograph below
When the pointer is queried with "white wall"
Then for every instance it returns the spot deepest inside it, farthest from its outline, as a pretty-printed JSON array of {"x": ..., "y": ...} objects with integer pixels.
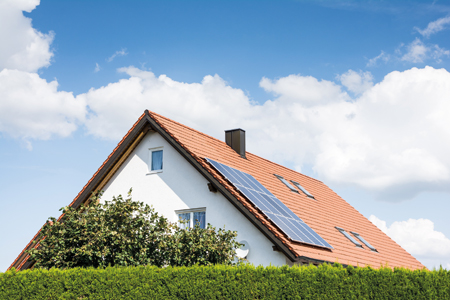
[{"x": 180, "y": 186}]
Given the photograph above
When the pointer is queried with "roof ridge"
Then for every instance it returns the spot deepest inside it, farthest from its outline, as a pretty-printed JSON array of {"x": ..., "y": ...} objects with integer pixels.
[
  {"x": 178, "y": 123},
  {"x": 216, "y": 139}
]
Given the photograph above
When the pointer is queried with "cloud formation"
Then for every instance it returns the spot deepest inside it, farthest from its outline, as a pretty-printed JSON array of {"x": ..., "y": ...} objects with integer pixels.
[
  {"x": 121, "y": 52},
  {"x": 418, "y": 52},
  {"x": 32, "y": 108},
  {"x": 394, "y": 134},
  {"x": 23, "y": 47},
  {"x": 356, "y": 82},
  {"x": 391, "y": 137},
  {"x": 419, "y": 238},
  {"x": 434, "y": 27},
  {"x": 382, "y": 56}
]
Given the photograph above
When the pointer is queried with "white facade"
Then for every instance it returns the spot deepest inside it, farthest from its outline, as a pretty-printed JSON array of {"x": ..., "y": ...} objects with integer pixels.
[{"x": 179, "y": 186}]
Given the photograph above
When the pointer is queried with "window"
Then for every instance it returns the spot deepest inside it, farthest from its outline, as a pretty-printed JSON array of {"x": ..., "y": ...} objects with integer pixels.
[
  {"x": 364, "y": 241},
  {"x": 156, "y": 160},
  {"x": 349, "y": 237},
  {"x": 286, "y": 183},
  {"x": 188, "y": 218},
  {"x": 302, "y": 189}
]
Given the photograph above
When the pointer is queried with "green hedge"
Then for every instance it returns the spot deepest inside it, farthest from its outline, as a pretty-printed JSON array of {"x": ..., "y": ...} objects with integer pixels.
[{"x": 226, "y": 282}]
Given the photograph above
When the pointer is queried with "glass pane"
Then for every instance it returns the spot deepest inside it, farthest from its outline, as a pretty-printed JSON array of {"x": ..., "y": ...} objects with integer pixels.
[
  {"x": 157, "y": 160},
  {"x": 364, "y": 241},
  {"x": 184, "y": 220},
  {"x": 350, "y": 238},
  {"x": 286, "y": 183},
  {"x": 302, "y": 189},
  {"x": 199, "y": 218}
]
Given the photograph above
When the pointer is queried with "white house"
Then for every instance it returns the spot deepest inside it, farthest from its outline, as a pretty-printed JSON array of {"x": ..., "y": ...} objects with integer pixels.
[{"x": 185, "y": 174}]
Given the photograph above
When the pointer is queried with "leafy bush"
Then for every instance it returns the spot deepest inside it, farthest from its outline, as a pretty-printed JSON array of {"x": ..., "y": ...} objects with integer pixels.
[
  {"x": 226, "y": 282},
  {"x": 123, "y": 232}
]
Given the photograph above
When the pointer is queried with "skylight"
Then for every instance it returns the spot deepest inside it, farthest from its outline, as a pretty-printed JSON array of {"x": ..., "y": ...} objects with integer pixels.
[
  {"x": 364, "y": 241},
  {"x": 349, "y": 237},
  {"x": 302, "y": 189},
  {"x": 286, "y": 183}
]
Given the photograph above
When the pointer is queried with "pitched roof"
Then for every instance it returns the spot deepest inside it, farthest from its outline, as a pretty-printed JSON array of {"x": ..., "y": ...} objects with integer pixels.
[{"x": 323, "y": 214}]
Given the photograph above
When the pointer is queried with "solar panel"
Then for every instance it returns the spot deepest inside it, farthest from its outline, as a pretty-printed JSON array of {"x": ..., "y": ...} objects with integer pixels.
[{"x": 271, "y": 206}]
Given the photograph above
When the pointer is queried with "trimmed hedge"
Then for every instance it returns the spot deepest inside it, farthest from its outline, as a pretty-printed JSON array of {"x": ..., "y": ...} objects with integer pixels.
[{"x": 226, "y": 282}]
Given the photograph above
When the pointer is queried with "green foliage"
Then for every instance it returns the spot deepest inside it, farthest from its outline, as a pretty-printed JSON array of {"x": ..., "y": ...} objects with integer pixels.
[
  {"x": 226, "y": 282},
  {"x": 202, "y": 246},
  {"x": 123, "y": 232}
]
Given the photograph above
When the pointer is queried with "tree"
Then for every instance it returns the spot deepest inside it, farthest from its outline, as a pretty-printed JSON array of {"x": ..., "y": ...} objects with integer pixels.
[{"x": 123, "y": 232}]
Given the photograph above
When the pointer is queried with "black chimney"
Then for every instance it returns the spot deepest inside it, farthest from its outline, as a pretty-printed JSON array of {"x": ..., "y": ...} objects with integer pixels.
[{"x": 235, "y": 138}]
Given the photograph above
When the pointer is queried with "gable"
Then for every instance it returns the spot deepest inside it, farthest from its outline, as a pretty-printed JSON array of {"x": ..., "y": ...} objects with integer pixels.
[{"x": 180, "y": 187}]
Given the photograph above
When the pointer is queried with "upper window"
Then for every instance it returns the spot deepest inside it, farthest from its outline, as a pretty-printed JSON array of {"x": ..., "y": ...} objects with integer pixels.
[
  {"x": 302, "y": 189},
  {"x": 364, "y": 241},
  {"x": 286, "y": 183},
  {"x": 188, "y": 218},
  {"x": 156, "y": 160},
  {"x": 349, "y": 237}
]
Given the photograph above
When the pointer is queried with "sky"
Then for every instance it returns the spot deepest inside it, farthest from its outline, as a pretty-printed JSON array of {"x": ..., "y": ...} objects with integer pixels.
[{"x": 353, "y": 93}]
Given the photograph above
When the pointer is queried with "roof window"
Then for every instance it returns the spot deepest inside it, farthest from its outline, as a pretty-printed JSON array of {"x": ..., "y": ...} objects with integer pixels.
[
  {"x": 286, "y": 183},
  {"x": 349, "y": 237},
  {"x": 364, "y": 241},
  {"x": 302, "y": 189}
]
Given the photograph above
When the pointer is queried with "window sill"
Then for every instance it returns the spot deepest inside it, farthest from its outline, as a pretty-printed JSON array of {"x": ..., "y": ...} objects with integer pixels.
[{"x": 154, "y": 172}]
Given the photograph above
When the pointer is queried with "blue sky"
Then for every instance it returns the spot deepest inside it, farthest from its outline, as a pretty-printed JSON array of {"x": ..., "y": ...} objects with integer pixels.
[{"x": 354, "y": 93}]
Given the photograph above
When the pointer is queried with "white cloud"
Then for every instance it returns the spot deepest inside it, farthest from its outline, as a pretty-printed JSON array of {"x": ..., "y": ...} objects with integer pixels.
[
  {"x": 116, "y": 106},
  {"x": 22, "y": 47},
  {"x": 418, "y": 52},
  {"x": 394, "y": 135},
  {"x": 121, "y": 52},
  {"x": 305, "y": 90},
  {"x": 97, "y": 68},
  {"x": 419, "y": 238},
  {"x": 437, "y": 53},
  {"x": 434, "y": 27},
  {"x": 382, "y": 56},
  {"x": 356, "y": 82},
  {"x": 32, "y": 108}
]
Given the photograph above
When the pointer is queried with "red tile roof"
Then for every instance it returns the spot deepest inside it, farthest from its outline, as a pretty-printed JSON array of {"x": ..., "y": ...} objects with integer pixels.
[{"x": 322, "y": 214}]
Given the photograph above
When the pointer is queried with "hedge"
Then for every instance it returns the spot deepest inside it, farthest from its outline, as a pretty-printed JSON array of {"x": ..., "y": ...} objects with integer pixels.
[{"x": 226, "y": 282}]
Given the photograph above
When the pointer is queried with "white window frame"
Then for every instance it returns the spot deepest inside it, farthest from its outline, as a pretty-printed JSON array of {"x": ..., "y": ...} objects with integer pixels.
[
  {"x": 150, "y": 151},
  {"x": 191, "y": 211}
]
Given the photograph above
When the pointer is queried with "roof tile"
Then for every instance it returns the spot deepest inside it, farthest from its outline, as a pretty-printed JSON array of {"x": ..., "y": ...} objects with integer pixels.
[{"x": 322, "y": 214}]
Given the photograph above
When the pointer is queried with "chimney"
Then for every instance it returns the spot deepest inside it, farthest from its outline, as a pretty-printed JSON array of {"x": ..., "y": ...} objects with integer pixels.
[{"x": 235, "y": 138}]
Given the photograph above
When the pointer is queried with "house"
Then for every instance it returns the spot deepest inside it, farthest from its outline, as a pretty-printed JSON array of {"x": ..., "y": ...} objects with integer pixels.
[{"x": 283, "y": 216}]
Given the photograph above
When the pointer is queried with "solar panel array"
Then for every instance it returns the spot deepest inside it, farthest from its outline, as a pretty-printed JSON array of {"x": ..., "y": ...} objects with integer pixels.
[{"x": 271, "y": 206}]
